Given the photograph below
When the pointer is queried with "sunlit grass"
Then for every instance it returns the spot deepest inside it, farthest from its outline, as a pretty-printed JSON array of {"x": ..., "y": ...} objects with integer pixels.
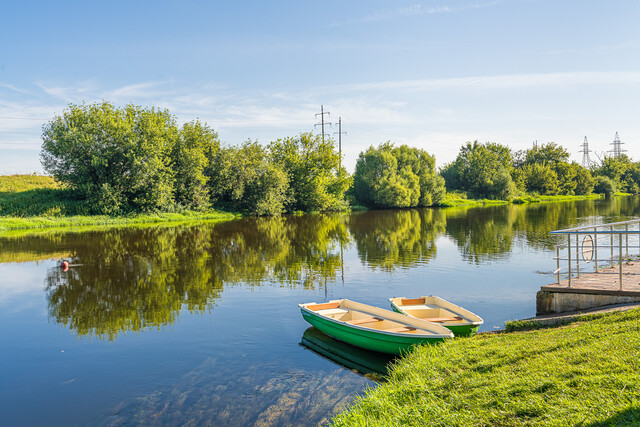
[
  {"x": 37, "y": 202},
  {"x": 585, "y": 373}
]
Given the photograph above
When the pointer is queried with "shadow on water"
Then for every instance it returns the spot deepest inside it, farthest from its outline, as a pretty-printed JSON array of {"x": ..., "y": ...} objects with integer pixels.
[{"x": 373, "y": 365}]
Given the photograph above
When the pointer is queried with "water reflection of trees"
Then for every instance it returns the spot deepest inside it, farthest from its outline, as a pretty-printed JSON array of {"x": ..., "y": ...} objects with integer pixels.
[
  {"x": 396, "y": 238},
  {"x": 488, "y": 233},
  {"x": 135, "y": 278},
  {"x": 128, "y": 280}
]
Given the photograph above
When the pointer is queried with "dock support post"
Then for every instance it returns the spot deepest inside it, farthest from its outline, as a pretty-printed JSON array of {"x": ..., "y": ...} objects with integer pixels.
[
  {"x": 626, "y": 236},
  {"x": 611, "y": 246},
  {"x": 558, "y": 259},
  {"x": 620, "y": 259},
  {"x": 569, "y": 256},
  {"x": 595, "y": 247},
  {"x": 577, "y": 255}
]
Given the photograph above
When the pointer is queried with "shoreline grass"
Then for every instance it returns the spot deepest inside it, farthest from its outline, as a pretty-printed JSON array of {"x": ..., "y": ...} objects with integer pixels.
[
  {"x": 582, "y": 373},
  {"x": 457, "y": 200},
  {"x": 35, "y": 202},
  {"x": 44, "y": 222}
]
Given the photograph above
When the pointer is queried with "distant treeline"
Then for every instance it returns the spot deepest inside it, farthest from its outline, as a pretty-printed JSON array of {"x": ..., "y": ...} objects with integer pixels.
[
  {"x": 494, "y": 171},
  {"x": 136, "y": 159}
]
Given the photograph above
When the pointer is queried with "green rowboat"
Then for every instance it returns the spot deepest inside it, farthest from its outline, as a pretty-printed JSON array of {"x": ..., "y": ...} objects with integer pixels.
[
  {"x": 461, "y": 322},
  {"x": 372, "y": 328}
]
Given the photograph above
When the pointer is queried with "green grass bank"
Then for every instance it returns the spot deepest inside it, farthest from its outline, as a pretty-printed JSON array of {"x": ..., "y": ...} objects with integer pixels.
[
  {"x": 459, "y": 199},
  {"x": 585, "y": 373},
  {"x": 39, "y": 202}
]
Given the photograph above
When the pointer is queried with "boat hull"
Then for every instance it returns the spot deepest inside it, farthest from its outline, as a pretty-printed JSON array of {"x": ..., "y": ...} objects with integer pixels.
[
  {"x": 465, "y": 329},
  {"x": 367, "y": 339}
]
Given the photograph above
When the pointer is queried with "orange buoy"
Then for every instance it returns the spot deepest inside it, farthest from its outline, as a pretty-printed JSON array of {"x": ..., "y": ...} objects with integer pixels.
[{"x": 64, "y": 265}]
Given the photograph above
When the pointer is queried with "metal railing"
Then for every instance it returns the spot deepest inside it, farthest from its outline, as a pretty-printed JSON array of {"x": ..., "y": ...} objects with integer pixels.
[{"x": 601, "y": 249}]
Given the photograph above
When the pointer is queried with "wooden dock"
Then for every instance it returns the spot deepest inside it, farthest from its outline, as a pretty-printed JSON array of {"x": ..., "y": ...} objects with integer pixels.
[
  {"x": 591, "y": 290},
  {"x": 606, "y": 281}
]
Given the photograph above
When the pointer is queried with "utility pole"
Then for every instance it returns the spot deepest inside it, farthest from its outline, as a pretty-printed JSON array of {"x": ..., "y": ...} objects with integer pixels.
[
  {"x": 340, "y": 142},
  {"x": 617, "y": 147},
  {"x": 321, "y": 114},
  {"x": 586, "y": 161}
]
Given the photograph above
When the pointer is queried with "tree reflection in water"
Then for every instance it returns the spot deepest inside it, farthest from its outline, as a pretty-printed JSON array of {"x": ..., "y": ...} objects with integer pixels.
[{"x": 131, "y": 279}]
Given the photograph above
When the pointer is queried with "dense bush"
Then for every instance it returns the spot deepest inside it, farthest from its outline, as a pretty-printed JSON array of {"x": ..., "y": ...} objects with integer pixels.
[
  {"x": 245, "y": 178},
  {"x": 624, "y": 173},
  {"x": 483, "y": 170},
  {"x": 310, "y": 166},
  {"x": 397, "y": 177},
  {"x": 604, "y": 185},
  {"x": 545, "y": 170},
  {"x": 127, "y": 159}
]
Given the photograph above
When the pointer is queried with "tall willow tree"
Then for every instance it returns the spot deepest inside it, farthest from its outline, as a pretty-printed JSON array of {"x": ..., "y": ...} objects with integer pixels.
[{"x": 397, "y": 177}]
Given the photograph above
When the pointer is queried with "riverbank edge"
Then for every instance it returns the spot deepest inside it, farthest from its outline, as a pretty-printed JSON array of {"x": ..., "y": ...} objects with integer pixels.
[
  {"x": 11, "y": 224},
  {"x": 415, "y": 384},
  {"x": 461, "y": 202}
]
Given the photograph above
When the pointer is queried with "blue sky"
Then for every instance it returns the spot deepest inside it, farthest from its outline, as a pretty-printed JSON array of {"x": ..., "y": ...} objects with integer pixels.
[{"x": 431, "y": 74}]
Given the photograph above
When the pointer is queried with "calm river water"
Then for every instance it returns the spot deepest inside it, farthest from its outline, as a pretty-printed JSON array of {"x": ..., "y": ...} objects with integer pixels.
[{"x": 199, "y": 324}]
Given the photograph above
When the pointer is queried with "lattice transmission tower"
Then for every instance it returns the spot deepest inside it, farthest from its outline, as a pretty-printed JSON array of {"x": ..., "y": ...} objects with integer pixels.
[
  {"x": 586, "y": 161},
  {"x": 617, "y": 149}
]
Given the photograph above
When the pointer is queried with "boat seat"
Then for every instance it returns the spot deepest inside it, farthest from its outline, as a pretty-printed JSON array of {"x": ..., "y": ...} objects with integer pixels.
[
  {"x": 324, "y": 306},
  {"x": 365, "y": 320},
  {"x": 443, "y": 319},
  {"x": 420, "y": 307},
  {"x": 332, "y": 311},
  {"x": 401, "y": 329},
  {"x": 412, "y": 301}
]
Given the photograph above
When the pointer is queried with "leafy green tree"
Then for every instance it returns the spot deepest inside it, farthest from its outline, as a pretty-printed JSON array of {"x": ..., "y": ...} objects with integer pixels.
[
  {"x": 540, "y": 178},
  {"x": 624, "y": 173},
  {"x": 311, "y": 168},
  {"x": 397, "y": 177},
  {"x": 549, "y": 153},
  {"x": 116, "y": 158},
  {"x": 196, "y": 145},
  {"x": 604, "y": 185},
  {"x": 246, "y": 179},
  {"x": 484, "y": 170},
  {"x": 545, "y": 170},
  {"x": 584, "y": 180}
]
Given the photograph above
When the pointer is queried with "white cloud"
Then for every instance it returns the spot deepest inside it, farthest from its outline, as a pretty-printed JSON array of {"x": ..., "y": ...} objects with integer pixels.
[
  {"x": 413, "y": 10},
  {"x": 507, "y": 81}
]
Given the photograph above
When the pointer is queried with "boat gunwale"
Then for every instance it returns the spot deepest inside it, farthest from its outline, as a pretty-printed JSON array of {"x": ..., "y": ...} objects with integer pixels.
[
  {"x": 466, "y": 314},
  {"x": 432, "y": 335}
]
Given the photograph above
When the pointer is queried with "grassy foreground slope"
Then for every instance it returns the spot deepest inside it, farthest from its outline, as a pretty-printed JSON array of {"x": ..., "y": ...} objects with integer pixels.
[{"x": 586, "y": 373}]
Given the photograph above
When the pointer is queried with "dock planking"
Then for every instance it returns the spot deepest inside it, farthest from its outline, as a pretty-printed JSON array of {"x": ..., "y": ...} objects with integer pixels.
[{"x": 604, "y": 282}]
